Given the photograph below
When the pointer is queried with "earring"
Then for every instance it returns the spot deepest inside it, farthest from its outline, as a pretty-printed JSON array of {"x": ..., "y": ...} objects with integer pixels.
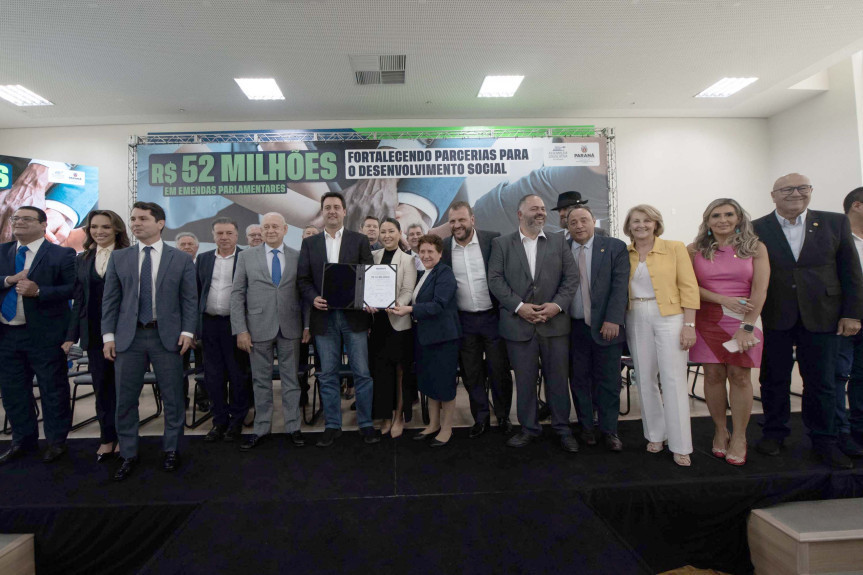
[
  {"x": 737, "y": 230},
  {"x": 709, "y": 233}
]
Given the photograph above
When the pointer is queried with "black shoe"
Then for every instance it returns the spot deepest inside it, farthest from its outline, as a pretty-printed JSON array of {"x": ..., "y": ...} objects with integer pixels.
[
  {"x": 204, "y": 405},
  {"x": 613, "y": 443},
  {"x": 253, "y": 442},
  {"x": 522, "y": 439},
  {"x": 830, "y": 456},
  {"x": 768, "y": 446},
  {"x": 171, "y": 461},
  {"x": 504, "y": 425},
  {"x": 329, "y": 436},
  {"x": 233, "y": 432},
  {"x": 53, "y": 453},
  {"x": 216, "y": 434},
  {"x": 569, "y": 443},
  {"x": 297, "y": 438},
  {"x": 14, "y": 452},
  {"x": 125, "y": 469},
  {"x": 587, "y": 436},
  {"x": 849, "y": 447},
  {"x": 435, "y": 443},
  {"x": 424, "y": 436},
  {"x": 478, "y": 429},
  {"x": 370, "y": 435}
]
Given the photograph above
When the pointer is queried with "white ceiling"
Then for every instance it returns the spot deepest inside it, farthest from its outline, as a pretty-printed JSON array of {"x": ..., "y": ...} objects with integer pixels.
[{"x": 142, "y": 61}]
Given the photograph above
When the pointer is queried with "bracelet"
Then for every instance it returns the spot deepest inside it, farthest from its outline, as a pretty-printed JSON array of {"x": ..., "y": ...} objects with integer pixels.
[{"x": 689, "y": 325}]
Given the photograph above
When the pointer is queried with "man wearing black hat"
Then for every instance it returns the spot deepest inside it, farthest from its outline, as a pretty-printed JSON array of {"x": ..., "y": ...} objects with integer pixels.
[{"x": 565, "y": 202}]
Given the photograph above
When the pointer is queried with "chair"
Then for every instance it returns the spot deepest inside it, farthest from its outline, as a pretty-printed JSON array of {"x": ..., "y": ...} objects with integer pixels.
[
  {"x": 626, "y": 381},
  {"x": 198, "y": 372}
]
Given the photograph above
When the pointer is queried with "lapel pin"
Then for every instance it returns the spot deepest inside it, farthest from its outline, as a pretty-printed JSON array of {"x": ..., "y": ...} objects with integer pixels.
[{"x": 602, "y": 250}]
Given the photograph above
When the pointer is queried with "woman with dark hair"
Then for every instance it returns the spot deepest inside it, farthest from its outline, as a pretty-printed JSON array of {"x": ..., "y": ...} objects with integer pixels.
[
  {"x": 391, "y": 341},
  {"x": 437, "y": 334},
  {"x": 105, "y": 232},
  {"x": 733, "y": 271}
]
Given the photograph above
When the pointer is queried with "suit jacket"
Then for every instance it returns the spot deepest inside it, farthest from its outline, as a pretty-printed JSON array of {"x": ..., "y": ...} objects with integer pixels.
[
  {"x": 609, "y": 286},
  {"x": 671, "y": 274},
  {"x": 260, "y": 307},
  {"x": 435, "y": 309},
  {"x": 510, "y": 281},
  {"x": 204, "y": 265},
  {"x": 310, "y": 274},
  {"x": 406, "y": 281},
  {"x": 176, "y": 297},
  {"x": 53, "y": 270},
  {"x": 485, "y": 239},
  {"x": 823, "y": 285},
  {"x": 79, "y": 324}
]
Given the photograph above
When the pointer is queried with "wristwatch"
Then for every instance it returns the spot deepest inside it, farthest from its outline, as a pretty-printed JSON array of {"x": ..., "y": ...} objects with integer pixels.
[
  {"x": 689, "y": 325},
  {"x": 747, "y": 327}
]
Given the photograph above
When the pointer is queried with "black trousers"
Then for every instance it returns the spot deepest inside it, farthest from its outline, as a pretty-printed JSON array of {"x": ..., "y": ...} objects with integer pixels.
[
  {"x": 227, "y": 376},
  {"x": 484, "y": 351},
  {"x": 594, "y": 378},
  {"x": 104, "y": 390}
]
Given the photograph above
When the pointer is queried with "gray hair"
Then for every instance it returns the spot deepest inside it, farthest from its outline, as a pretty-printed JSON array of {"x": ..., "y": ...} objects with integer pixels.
[
  {"x": 187, "y": 235},
  {"x": 250, "y": 226}
]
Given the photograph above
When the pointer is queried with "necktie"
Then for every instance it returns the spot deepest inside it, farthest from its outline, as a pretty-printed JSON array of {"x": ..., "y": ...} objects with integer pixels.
[
  {"x": 585, "y": 283},
  {"x": 145, "y": 292},
  {"x": 10, "y": 302},
  {"x": 277, "y": 268}
]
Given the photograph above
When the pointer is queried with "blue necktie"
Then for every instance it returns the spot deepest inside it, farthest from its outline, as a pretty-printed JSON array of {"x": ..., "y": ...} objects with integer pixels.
[
  {"x": 277, "y": 268},
  {"x": 145, "y": 293},
  {"x": 10, "y": 302}
]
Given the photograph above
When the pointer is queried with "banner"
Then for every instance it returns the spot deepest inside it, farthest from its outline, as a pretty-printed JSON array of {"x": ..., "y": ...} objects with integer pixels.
[
  {"x": 409, "y": 178},
  {"x": 65, "y": 191}
]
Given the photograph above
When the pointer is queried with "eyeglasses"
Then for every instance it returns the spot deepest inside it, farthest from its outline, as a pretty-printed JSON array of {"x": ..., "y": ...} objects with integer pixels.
[
  {"x": 25, "y": 219},
  {"x": 788, "y": 190}
]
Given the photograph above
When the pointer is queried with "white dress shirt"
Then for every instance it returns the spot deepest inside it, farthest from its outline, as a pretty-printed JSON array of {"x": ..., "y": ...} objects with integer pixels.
[
  {"x": 334, "y": 245},
  {"x": 219, "y": 296},
  {"x": 578, "y": 300},
  {"x": 102, "y": 257},
  {"x": 469, "y": 269},
  {"x": 795, "y": 232},
  {"x": 270, "y": 255},
  {"x": 32, "y": 248},
  {"x": 530, "y": 252}
]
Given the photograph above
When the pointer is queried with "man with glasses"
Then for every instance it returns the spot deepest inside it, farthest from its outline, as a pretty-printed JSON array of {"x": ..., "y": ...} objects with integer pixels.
[{"x": 814, "y": 296}]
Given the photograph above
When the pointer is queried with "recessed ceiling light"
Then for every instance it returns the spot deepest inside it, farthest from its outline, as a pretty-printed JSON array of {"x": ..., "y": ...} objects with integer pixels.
[
  {"x": 499, "y": 86},
  {"x": 21, "y": 96},
  {"x": 260, "y": 88},
  {"x": 726, "y": 87}
]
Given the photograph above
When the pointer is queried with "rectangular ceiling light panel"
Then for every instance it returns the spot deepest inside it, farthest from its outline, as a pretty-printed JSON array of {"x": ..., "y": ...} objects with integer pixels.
[
  {"x": 499, "y": 86},
  {"x": 726, "y": 87},
  {"x": 21, "y": 96},
  {"x": 260, "y": 88}
]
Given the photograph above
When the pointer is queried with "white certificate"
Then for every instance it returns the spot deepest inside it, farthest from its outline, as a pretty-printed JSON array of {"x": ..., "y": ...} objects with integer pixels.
[{"x": 379, "y": 290}]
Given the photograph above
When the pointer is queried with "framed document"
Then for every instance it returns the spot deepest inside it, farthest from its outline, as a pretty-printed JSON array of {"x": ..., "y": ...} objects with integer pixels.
[{"x": 352, "y": 286}]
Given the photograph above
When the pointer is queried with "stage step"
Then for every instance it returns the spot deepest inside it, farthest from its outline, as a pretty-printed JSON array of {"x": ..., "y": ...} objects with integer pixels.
[
  {"x": 17, "y": 555},
  {"x": 808, "y": 537}
]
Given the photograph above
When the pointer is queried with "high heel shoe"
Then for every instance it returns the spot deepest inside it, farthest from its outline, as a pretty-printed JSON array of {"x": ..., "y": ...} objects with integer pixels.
[
  {"x": 721, "y": 453},
  {"x": 737, "y": 461},
  {"x": 107, "y": 456},
  {"x": 655, "y": 446},
  {"x": 682, "y": 460},
  {"x": 424, "y": 436}
]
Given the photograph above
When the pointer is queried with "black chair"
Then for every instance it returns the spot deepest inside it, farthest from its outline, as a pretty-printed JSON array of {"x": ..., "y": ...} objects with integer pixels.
[
  {"x": 198, "y": 373},
  {"x": 627, "y": 366}
]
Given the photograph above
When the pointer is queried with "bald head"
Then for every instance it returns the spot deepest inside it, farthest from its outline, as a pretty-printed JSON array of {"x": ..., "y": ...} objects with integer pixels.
[{"x": 274, "y": 227}]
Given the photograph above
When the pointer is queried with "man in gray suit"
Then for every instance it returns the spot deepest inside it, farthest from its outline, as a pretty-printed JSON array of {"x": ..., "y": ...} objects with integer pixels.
[
  {"x": 149, "y": 314},
  {"x": 265, "y": 313},
  {"x": 533, "y": 317}
]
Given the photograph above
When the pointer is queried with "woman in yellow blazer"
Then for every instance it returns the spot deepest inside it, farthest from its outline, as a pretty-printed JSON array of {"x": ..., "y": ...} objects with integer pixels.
[
  {"x": 391, "y": 341},
  {"x": 660, "y": 329}
]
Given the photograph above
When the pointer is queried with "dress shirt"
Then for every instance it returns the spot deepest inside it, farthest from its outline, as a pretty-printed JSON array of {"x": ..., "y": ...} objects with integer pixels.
[
  {"x": 270, "y": 254},
  {"x": 102, "y": 257},
  {"x": 469, "y": 269},
  {"x": 795, "y": 232},
  {"x": 858, "y": 243},
  {"x": 32, "y": 248},
  {"x": 334, "y": 244},
  {"x": 578, "y": 301},
  {"x": 219, "y": 296}
]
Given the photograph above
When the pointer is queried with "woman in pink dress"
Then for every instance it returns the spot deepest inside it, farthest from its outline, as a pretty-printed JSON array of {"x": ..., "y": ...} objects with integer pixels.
[{"x": 733, "y": 271}]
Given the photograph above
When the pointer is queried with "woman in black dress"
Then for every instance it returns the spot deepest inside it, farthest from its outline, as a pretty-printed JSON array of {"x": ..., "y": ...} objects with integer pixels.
[{"x": 104, "y": 232}]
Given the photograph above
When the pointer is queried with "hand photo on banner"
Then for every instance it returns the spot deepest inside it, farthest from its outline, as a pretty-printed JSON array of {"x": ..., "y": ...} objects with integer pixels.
[
  {"x": 65, "y": 191},
  {"x": 413, "y": 180}
]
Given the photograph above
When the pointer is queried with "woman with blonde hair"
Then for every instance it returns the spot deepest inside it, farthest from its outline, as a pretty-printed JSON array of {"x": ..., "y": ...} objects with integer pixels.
[
  {"x": 660, "y": 329},
  {"x": 733, "y": 271}
]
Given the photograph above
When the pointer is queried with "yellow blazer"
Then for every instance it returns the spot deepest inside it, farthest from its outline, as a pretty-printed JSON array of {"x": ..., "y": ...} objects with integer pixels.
[
  {"x": 671, "y": 274},
  {"x": 406, "y": 280}
]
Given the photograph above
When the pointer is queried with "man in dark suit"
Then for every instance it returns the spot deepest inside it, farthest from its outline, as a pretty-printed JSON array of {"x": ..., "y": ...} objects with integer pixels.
[
  {"x": 815, "y": 294},
  {"x": 36, "y": 283},
  {"x": 533, "y": 317},
  {"x": 468, "y": 253},
  {"x": 149, "y": 314},
  {"x": 227, "y": 374},
  {"x": 597, "y": 336},
  {"x": 332, "y": 327}
]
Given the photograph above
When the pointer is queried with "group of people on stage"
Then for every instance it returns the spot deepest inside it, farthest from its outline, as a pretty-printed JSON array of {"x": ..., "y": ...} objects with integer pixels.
[{"x": 563, "y": 305}]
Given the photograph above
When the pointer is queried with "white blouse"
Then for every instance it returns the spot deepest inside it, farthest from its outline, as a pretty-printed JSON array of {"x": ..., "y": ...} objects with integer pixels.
[{"x": 641, "y": 285}]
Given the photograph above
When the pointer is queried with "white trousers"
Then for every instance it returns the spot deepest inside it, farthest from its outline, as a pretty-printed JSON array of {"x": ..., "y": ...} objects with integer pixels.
[{"x": 654, "y": 342}]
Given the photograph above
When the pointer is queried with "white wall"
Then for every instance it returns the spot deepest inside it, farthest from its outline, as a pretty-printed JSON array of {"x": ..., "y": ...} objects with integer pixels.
[{"x": 676, "y": 164}]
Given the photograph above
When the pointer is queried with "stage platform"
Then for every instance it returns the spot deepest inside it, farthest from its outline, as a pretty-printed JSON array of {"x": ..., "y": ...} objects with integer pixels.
[{"x": 474, "y": 506}]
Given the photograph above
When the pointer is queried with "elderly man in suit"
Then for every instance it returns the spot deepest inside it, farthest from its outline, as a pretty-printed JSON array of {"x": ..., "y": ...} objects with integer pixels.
[
  {"x": 533, "y": 317},
  {"x": 36, "y": 283},
  {"x": 597, "y": 336},
  {"x": 815, "y": 294},
  {"x": 333, "y": 327},
  {"x": 266, "y": 314},
  {"x": 149, "y": 314},
  {"x": 468, "y": 253}
]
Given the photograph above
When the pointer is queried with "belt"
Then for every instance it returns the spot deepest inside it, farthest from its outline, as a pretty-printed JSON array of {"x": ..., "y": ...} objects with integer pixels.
[
  {"x": 484, "y": 312},
  {"x": 643, "y": 299},
  {"x": 149, "y": 325},
  {"x": 16, "y": 326},
  {"x": 216, "y": 316}
]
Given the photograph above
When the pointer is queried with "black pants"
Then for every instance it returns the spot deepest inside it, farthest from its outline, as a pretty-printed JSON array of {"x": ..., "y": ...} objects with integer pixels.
[
  {"x": 594, "y": 378},
  {"x": 484, "y": 351},
  {"x": 104, "y": 390},
  {"x": 226, "y": 372}
]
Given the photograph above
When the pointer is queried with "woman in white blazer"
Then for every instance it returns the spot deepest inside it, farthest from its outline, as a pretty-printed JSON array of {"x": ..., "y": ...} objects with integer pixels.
[{"x": 391, "y": 341}]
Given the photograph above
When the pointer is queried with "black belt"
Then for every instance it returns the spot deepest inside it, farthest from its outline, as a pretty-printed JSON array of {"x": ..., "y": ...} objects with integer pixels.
[
  {"x": 149, "y": 325},
  {"x": 215, "y": 316},
  {"x": 17, "y": 326},
  {"x": 486, "y": 312}
]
